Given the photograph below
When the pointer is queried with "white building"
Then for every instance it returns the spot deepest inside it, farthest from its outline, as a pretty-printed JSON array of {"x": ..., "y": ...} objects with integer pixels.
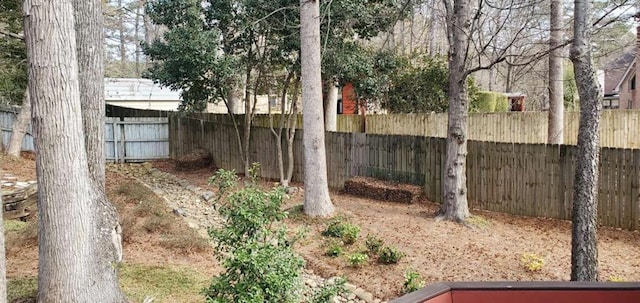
[{"x": 144, "y": 94}]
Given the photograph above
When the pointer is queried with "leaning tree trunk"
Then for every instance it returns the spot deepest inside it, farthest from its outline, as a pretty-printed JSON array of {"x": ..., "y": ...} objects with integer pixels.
[
  {"x": 316, "y": 196},
  {"x": 90, "y": 47},
  {"x": 556, "y": 95},
  {"x": 584, "y": 248},
  {"x": 67, "y": 230},
  {"x": 20, "y": 125},
  {"x": 454, "y": 201}
]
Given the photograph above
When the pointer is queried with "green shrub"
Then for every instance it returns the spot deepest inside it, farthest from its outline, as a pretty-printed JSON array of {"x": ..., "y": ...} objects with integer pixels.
[
  {"x": 357, "y": 259},
  {"x": 334, "y": 250},
  {"x": 259, "y": 261},
  {"x": 485, "y": 102},
  {"x": 412, "y": 282},
  {"x": 343, "y": 230},
  {"x": 502, "y": 102},
  {"x": 390, "y": 255},
  {"x": 374, "y": 245},
  {"x": 350, "y": 234}
]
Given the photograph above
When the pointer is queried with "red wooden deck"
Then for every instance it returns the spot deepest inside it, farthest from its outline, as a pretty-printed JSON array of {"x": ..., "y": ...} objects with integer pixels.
[{"x": 525, "y": 292}]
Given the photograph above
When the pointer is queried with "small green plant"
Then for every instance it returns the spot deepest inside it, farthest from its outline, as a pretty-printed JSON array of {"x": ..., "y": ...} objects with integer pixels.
[
  {"x": 337, "y": 228},
  {"x": 615, "y": 279},
  {"x": 390, "y": 255},
  {"x": 532, "y": 262},
  {"x": 412, "y": 282},
  {"x": 350, "y": 234},
  {"x": 334, "y": 250},
  {"x": 374, "y": 245},
  {"x": 357, "y": 259},
  {"x": 329, "y": 289},
  {"x": 254, "y": 249}
]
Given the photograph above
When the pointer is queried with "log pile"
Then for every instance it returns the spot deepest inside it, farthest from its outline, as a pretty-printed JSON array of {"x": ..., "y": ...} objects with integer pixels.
[{"x": 382, "y": 190}]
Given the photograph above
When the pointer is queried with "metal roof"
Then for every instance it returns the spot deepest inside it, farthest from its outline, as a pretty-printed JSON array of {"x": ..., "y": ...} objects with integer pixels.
[{"x": 129, "y": 89}]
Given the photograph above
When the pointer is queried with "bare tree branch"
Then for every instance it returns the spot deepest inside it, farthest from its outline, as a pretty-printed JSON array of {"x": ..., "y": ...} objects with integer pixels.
[{"x": 12, "y": 35}]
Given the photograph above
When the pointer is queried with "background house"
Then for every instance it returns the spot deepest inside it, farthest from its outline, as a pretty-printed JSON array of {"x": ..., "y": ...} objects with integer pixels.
[
  {"x": 144, "y": 94},
  {"x": 620, "y": 82}
]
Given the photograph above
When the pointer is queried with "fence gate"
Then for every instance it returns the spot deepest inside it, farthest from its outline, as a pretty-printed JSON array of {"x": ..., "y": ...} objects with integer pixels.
[{"x": 136, "y": 139}]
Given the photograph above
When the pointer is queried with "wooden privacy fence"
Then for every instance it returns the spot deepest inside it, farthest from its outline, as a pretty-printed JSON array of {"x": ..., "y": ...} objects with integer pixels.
[
  {"x": 619, "y": 128},
  {"x": 521, "y": 179}
]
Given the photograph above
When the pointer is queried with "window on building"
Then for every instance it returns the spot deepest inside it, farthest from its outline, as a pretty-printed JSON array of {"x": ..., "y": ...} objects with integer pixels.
[{"x": 632, "y": 83}]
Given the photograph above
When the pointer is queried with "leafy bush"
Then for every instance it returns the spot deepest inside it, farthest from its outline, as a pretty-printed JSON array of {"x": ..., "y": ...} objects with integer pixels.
[
  {"x": 374, "y": 245},
  {"x": 424, "y": 87},
  {"x": 532, "y": 262},
  {"x": 502, "y": 102},
  {"x": 357, "y": 259},
  {"x": 350, "y": 234},
  {"x": 486, "y": 102},
  {"x": 412, "y": 282},
  {"x": 258, "y": 258},
  {"x": 390, "y": 255},
  {"x": 339, "y": 229},
  {"x": 334, "y": 250}
]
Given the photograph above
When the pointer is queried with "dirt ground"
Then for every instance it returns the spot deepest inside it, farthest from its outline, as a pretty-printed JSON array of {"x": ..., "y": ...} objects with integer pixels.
[
  {"x": 445, "y": 251},
  {"x": 439, "y": 251},
  {"x": 141, "y": 248}
]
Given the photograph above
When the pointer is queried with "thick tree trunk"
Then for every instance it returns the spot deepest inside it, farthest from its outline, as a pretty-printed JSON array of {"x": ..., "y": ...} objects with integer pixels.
[
  {"x": 331, "y": 114},
  {"x": 316, "y": 197},
  {"x": 3, "y": 261},
  {"x": 71, "y": 268},
  {"x": 556, "y": 92},
  {"x": 20, "y": 125},
  {"x": 90, "y": 48},
  {"x": 454, "y": 201},
  {"x": 66, "y": 227},
  {"x": 584, "y": 248}
]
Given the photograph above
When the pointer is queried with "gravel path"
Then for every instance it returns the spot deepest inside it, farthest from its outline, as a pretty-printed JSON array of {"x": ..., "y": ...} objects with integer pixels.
[{"x": 191, "y": 203}]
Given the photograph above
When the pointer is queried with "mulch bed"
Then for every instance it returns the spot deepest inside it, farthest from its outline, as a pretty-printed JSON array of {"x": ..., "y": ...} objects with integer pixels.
[{"x": 383, "y": 190}]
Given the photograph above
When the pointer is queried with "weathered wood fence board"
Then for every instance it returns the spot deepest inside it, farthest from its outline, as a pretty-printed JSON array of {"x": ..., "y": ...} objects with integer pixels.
[
  {"x": 521, "y": 179},
  {"x": 8, "y": 115},
  {"x": 136, "y": 139}
]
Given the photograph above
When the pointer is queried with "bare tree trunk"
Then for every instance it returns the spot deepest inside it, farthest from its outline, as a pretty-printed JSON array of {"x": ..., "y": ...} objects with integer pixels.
[
  {"x": 19, "y": 128},
  {"x": 556, "y": 95},
  {"x": 137, "y": 36},
  {"x": 316, "y": 197},
  {"x": 278, "y": 134},
  {"x": 584, "y": 248},
  {"x": 3, "y": 261},
  {"x": 90, "y": 47},
  {"x": 331, "y": 114},
  {"x": 292, "y": 121},
  {"x": 454, "y": 201},
  {"x": 121, "y": 32},
  {"x": 69, "y": 255},
  {"x": 248, "y": 115}
]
